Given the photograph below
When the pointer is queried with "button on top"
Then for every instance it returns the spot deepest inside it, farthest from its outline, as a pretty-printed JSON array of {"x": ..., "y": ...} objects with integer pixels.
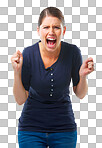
[{"x": 51, "y": 90}]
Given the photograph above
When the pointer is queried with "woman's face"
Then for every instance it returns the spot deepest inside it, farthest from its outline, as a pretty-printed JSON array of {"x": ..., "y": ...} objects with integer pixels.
[{"x": 51, "y": 32}]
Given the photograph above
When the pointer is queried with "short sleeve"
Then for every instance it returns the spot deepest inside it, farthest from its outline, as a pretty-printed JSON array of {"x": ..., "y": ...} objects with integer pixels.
[
  {"x": 25, "y": 74},
  {"x": 76, "y": 64}
]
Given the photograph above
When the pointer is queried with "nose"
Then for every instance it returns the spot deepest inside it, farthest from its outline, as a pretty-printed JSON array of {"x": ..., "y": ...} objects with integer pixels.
[{"x": 51, "y": 30}]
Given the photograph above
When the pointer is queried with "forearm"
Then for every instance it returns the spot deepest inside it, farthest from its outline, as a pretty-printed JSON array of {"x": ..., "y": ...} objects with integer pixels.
[
  {"x": 81, "y": 88},
  {"x": 19, "y": 90}
]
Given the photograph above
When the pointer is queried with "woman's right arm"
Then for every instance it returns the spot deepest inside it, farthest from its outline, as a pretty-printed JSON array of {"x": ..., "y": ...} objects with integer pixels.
[{"x": 19, "y": 91}]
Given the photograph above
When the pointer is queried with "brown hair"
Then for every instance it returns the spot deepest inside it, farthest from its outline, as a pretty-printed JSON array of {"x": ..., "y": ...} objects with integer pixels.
[{"x": 51, "y": 11}]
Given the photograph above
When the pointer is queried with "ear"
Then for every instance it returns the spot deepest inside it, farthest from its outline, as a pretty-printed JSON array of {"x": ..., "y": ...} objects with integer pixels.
[
  {"x": 38, "y": 30},
  {"x": 64, "y": 30}
]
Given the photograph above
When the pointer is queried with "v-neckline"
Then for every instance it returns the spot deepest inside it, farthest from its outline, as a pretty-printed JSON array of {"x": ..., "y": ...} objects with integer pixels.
[{"x": 42, "y": 60}]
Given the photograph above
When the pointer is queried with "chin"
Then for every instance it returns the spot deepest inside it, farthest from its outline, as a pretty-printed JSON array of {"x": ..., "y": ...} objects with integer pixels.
[{"x": 50, "y": 50}]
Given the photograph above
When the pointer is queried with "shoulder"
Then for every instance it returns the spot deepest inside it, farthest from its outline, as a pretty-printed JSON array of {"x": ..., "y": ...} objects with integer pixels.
[
  {"x": 70, "y": 48},
  {"x": 29, "y": 53},
  {"x": 30, "y": 49}
]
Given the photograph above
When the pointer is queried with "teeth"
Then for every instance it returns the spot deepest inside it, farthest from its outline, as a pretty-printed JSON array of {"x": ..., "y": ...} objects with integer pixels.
[{"x": 51, "y": 39}]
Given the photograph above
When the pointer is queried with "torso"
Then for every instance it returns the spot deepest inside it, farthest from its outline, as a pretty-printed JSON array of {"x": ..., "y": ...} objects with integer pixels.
[{"x": 49, "y": 100}]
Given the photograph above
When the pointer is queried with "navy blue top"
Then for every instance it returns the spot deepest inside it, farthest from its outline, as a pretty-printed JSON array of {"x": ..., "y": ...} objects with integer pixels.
[{"x": 48, "y": 107}]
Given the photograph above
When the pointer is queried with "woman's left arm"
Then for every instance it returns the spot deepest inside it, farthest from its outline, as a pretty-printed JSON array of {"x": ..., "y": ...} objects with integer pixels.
[{"x": 81, "y": 89}]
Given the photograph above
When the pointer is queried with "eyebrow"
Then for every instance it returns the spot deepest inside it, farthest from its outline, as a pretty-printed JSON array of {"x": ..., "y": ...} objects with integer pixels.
[{"x": 49, "y": 25}]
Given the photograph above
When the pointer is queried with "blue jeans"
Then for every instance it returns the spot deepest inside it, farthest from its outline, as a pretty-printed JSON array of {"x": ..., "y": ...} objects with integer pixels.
[{"x": 28, "y": 139}]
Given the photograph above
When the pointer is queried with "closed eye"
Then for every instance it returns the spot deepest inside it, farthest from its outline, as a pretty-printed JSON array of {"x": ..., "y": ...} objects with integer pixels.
[
  {"x": 57, "y": 27},
  {"x": 45, "y": 27}
]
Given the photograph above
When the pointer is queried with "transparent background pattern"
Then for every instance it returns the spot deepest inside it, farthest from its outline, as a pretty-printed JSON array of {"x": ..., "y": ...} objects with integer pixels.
[{"x": 18, "y": 24}]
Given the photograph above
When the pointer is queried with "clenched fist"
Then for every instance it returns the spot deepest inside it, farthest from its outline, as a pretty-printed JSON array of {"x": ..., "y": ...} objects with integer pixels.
[
  {"x": 87, "y": 67},
  {"x": 17, "y": 61}
]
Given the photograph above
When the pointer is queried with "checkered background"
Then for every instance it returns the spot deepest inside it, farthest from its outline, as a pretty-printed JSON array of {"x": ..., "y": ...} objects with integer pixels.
[{"x": 18, "y": 23}]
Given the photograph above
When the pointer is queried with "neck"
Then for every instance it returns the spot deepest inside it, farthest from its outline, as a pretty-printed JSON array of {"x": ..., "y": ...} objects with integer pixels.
[{"x": 47, "y": 54}]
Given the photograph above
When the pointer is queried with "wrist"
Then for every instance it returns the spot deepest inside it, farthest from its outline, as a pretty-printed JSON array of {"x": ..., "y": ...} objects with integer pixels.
[
  {"x": 83, "y": 77},
  {"x": 17, "y": 74}
]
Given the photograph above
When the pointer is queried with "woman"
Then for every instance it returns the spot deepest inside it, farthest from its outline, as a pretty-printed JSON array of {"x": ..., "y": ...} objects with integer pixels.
[{"x": 42, "y": 77}]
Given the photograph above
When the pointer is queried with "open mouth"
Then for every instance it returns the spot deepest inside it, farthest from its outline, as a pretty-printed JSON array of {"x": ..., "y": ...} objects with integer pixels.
[{"x": 51, "y": 41}]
